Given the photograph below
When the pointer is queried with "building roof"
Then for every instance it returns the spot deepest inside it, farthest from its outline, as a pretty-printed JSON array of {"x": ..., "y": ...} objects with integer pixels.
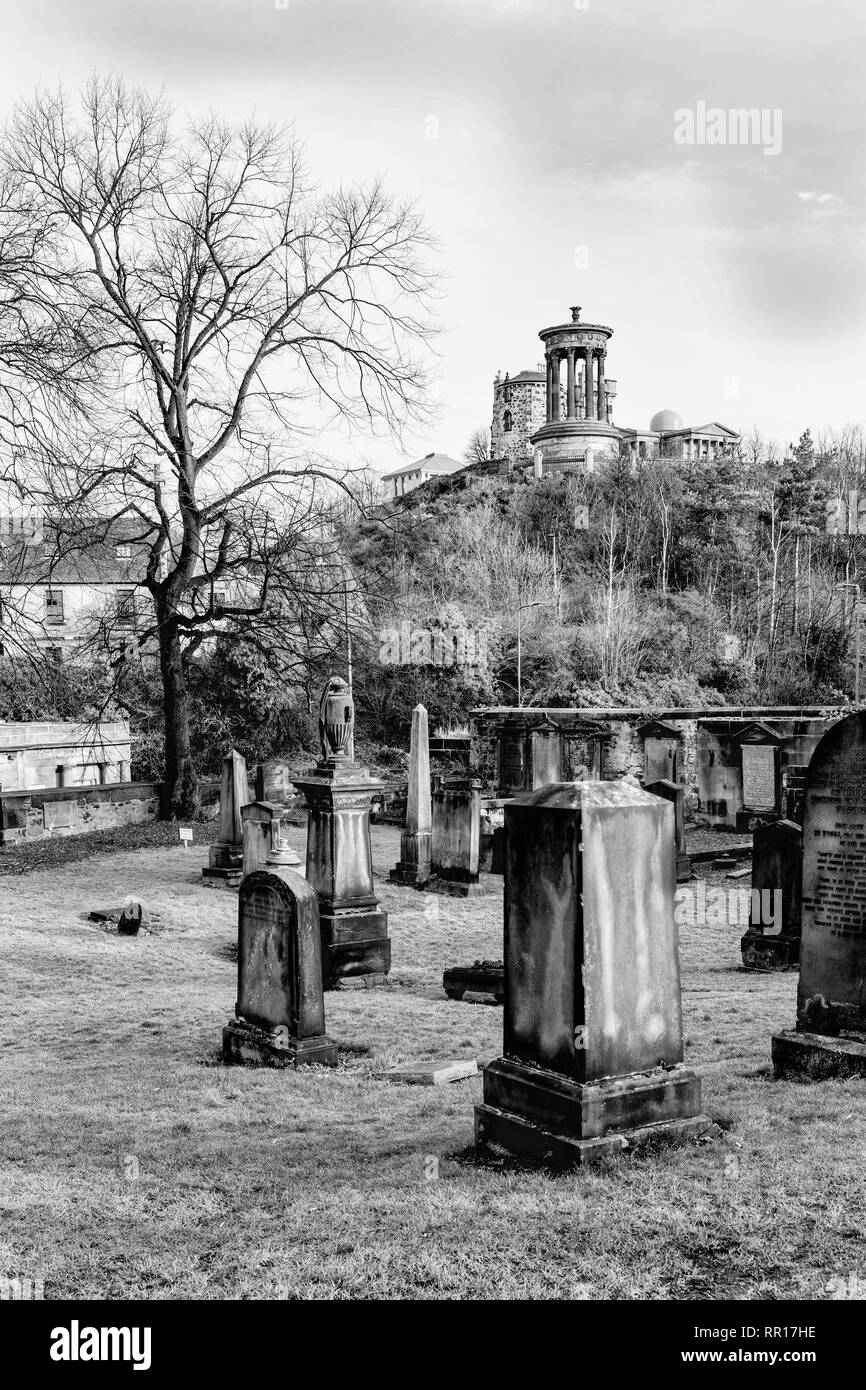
[
  {"x": 430, "y": 463},
  {"x": 713, "y": 428},
  {"x": 523, "y": 376}
]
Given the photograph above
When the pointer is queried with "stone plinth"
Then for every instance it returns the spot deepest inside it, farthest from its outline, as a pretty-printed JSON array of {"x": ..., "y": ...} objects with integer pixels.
[
  {"x": 830, "y": 1034},
  {"x": 261, "y": 821},
  {"x": 355, "y": 942},
  {"x": 592, "y": 1030},
  {"x": 675, "y": 792},
  {"x": 772, "y": 941},
  {"x": 280, "y": 1010},
  {"x": 481, "y": 983},
  {"x": 456, "y": 840},
  {"x": 413, "y": 869}
]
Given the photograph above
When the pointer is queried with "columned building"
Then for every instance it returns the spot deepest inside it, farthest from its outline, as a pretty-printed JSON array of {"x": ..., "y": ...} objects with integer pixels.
[
  {"x": 560, "y": 418},
  {"x": 571, "y": 438}
]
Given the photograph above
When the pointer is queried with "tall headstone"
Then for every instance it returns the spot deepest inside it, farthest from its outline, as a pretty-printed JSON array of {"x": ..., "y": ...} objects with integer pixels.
[
  {"x": 225, "y": 857},
  {"x": 280, "y": 1009},
  {"x": 546, "y": 753},
  {"x": 772, "y": 941},
  {"x": 414, "y": 866},
  {"x": 355, "y": 946},
  {"x": 456, "y": 838},
  {"x": 830, "y": 1034},
  {"x": 592, "y": 1030},
  {"x": 675, "y": 792},
  {"x": 262, "y": 837}
]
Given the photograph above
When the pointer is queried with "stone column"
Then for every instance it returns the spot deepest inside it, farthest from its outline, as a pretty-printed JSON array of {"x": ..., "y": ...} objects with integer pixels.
[
  {"x": 414, "y": 866},
  {"x": 554, "y": 395},
  {"x": 570, "y": 407},
  {"x": 587, "y": 385},
  {"x": 456, "y": 839},
  {"x": 549, "y": 364},
  {"x": 601, "y": 411}
]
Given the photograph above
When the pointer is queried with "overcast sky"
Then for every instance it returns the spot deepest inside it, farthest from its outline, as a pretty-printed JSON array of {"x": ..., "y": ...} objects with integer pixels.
[{"x": 734, "y": 280}]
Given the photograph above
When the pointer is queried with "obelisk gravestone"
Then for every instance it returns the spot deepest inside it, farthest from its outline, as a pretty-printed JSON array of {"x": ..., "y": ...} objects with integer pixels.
[{"x": 413, "y": 868}]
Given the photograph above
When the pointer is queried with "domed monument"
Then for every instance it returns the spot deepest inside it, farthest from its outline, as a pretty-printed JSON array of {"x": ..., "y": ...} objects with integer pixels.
[{"x": 562, "y": 421}]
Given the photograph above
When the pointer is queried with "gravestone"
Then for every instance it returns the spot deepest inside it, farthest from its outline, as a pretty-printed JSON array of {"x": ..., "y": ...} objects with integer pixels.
[
  {"x": 225, "y": 857},
  {"x": 456, "y": 839},
  {"x": 510, "y": 759},
  {"x": 273, "y": 781},
  {"x": 772, "y": 941},
  {"x": 262, "y": 837},
  {"x": 761, "y": 774},
  {"x": 130, "y": 919},
  {"x": 280, "y": 1010},
  {"x": 481, "y": 983},
  {"x": 592, "y": 1030},
  {"x": 661, "y": 743},
  {"x": 546, "y": 753},
  {"x": 675, "y": 792},
  {"x": 830, "y": 1034},
  {"x": 413, "y": 868},
  {"x": 492, "y": 823},
  {"x": 356, "y": 951}
]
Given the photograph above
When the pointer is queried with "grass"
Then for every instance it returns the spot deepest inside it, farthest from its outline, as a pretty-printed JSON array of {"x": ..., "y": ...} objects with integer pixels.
[{"x": 134, "y": 1164}]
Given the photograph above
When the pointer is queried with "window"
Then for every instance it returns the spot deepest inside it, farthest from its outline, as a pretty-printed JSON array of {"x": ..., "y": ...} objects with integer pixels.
[
  {"x": 54, "y": 605},
  {"x": 507, "y": 422},
  {"x": 54, "y": 654},
  {"x": 506, "y": 395},
  {"x": 123, "y": 552},
  {"x": 126, "y": 608}
]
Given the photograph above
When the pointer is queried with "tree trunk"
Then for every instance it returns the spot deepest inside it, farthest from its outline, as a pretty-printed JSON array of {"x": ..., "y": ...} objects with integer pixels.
[{"x": 180, "y": 798}]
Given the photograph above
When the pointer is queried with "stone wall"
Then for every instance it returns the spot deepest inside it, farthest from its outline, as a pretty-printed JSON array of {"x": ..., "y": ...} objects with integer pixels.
[
  {"x": 528, "y": 407},
  {"x": 31, "y": 754},
  {"x": 37, "y": 814},
  {"x": 704, "y": 747}
]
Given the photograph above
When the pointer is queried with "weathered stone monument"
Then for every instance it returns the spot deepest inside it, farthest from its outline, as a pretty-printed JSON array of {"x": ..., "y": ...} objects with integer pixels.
[
  {"x": 545, "y": 742},
  {"x": 356, "y": 951},
  {"x": 225, "y": 857},
  {"x": 273, "y": 782},
  {"x": 830, "y": 1034},
  {"x": 456, "y": 838},
  {"x": 675, "y": 792},
  {"x": 592, "y": 1043},
  {"x": 772, "y": 941},
  {"x": 414, "y": 866},
  {"x": 280, "y": 1009},
  {"x": 262, "y": 837}
]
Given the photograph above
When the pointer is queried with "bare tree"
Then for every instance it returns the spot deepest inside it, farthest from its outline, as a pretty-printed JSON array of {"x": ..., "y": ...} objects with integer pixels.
[
  {"x": 193, "y": 306},
  {"x": 478, "y": 448}
]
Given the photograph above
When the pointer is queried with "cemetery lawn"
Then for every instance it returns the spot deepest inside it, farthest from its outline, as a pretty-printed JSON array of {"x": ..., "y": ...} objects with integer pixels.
[{"x": 135, "y": 1165}]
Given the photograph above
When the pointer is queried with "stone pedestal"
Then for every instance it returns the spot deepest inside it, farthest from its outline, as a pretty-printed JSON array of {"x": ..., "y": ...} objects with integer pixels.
[
  {"x": 675, "y": 792},
  {"x": 355, "y": 945},
  {"x": 414, "y": 869},
  {"x": 777, "y": 872},
  {"x": 830, "y": 1034},
  {"x": 592, "y": 1030},
  {"x": 545, "y": 742},
  {"x": 225, "y": 856},
  {"x": 280, "y": 1011},
  {"x": 456, "y": 840},
  {"x": 261, "y": 821}
]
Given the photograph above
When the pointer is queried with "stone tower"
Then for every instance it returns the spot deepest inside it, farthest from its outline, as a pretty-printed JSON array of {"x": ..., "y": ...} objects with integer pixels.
[{"x": 519, "y": 410}]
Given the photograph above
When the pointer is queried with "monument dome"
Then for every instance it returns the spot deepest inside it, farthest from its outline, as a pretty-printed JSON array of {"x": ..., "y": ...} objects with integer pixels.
[{"x": 666, "y": 420}]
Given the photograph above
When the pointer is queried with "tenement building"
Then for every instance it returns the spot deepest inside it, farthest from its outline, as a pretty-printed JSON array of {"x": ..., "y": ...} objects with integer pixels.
[{"x": 560, "y": 417}]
